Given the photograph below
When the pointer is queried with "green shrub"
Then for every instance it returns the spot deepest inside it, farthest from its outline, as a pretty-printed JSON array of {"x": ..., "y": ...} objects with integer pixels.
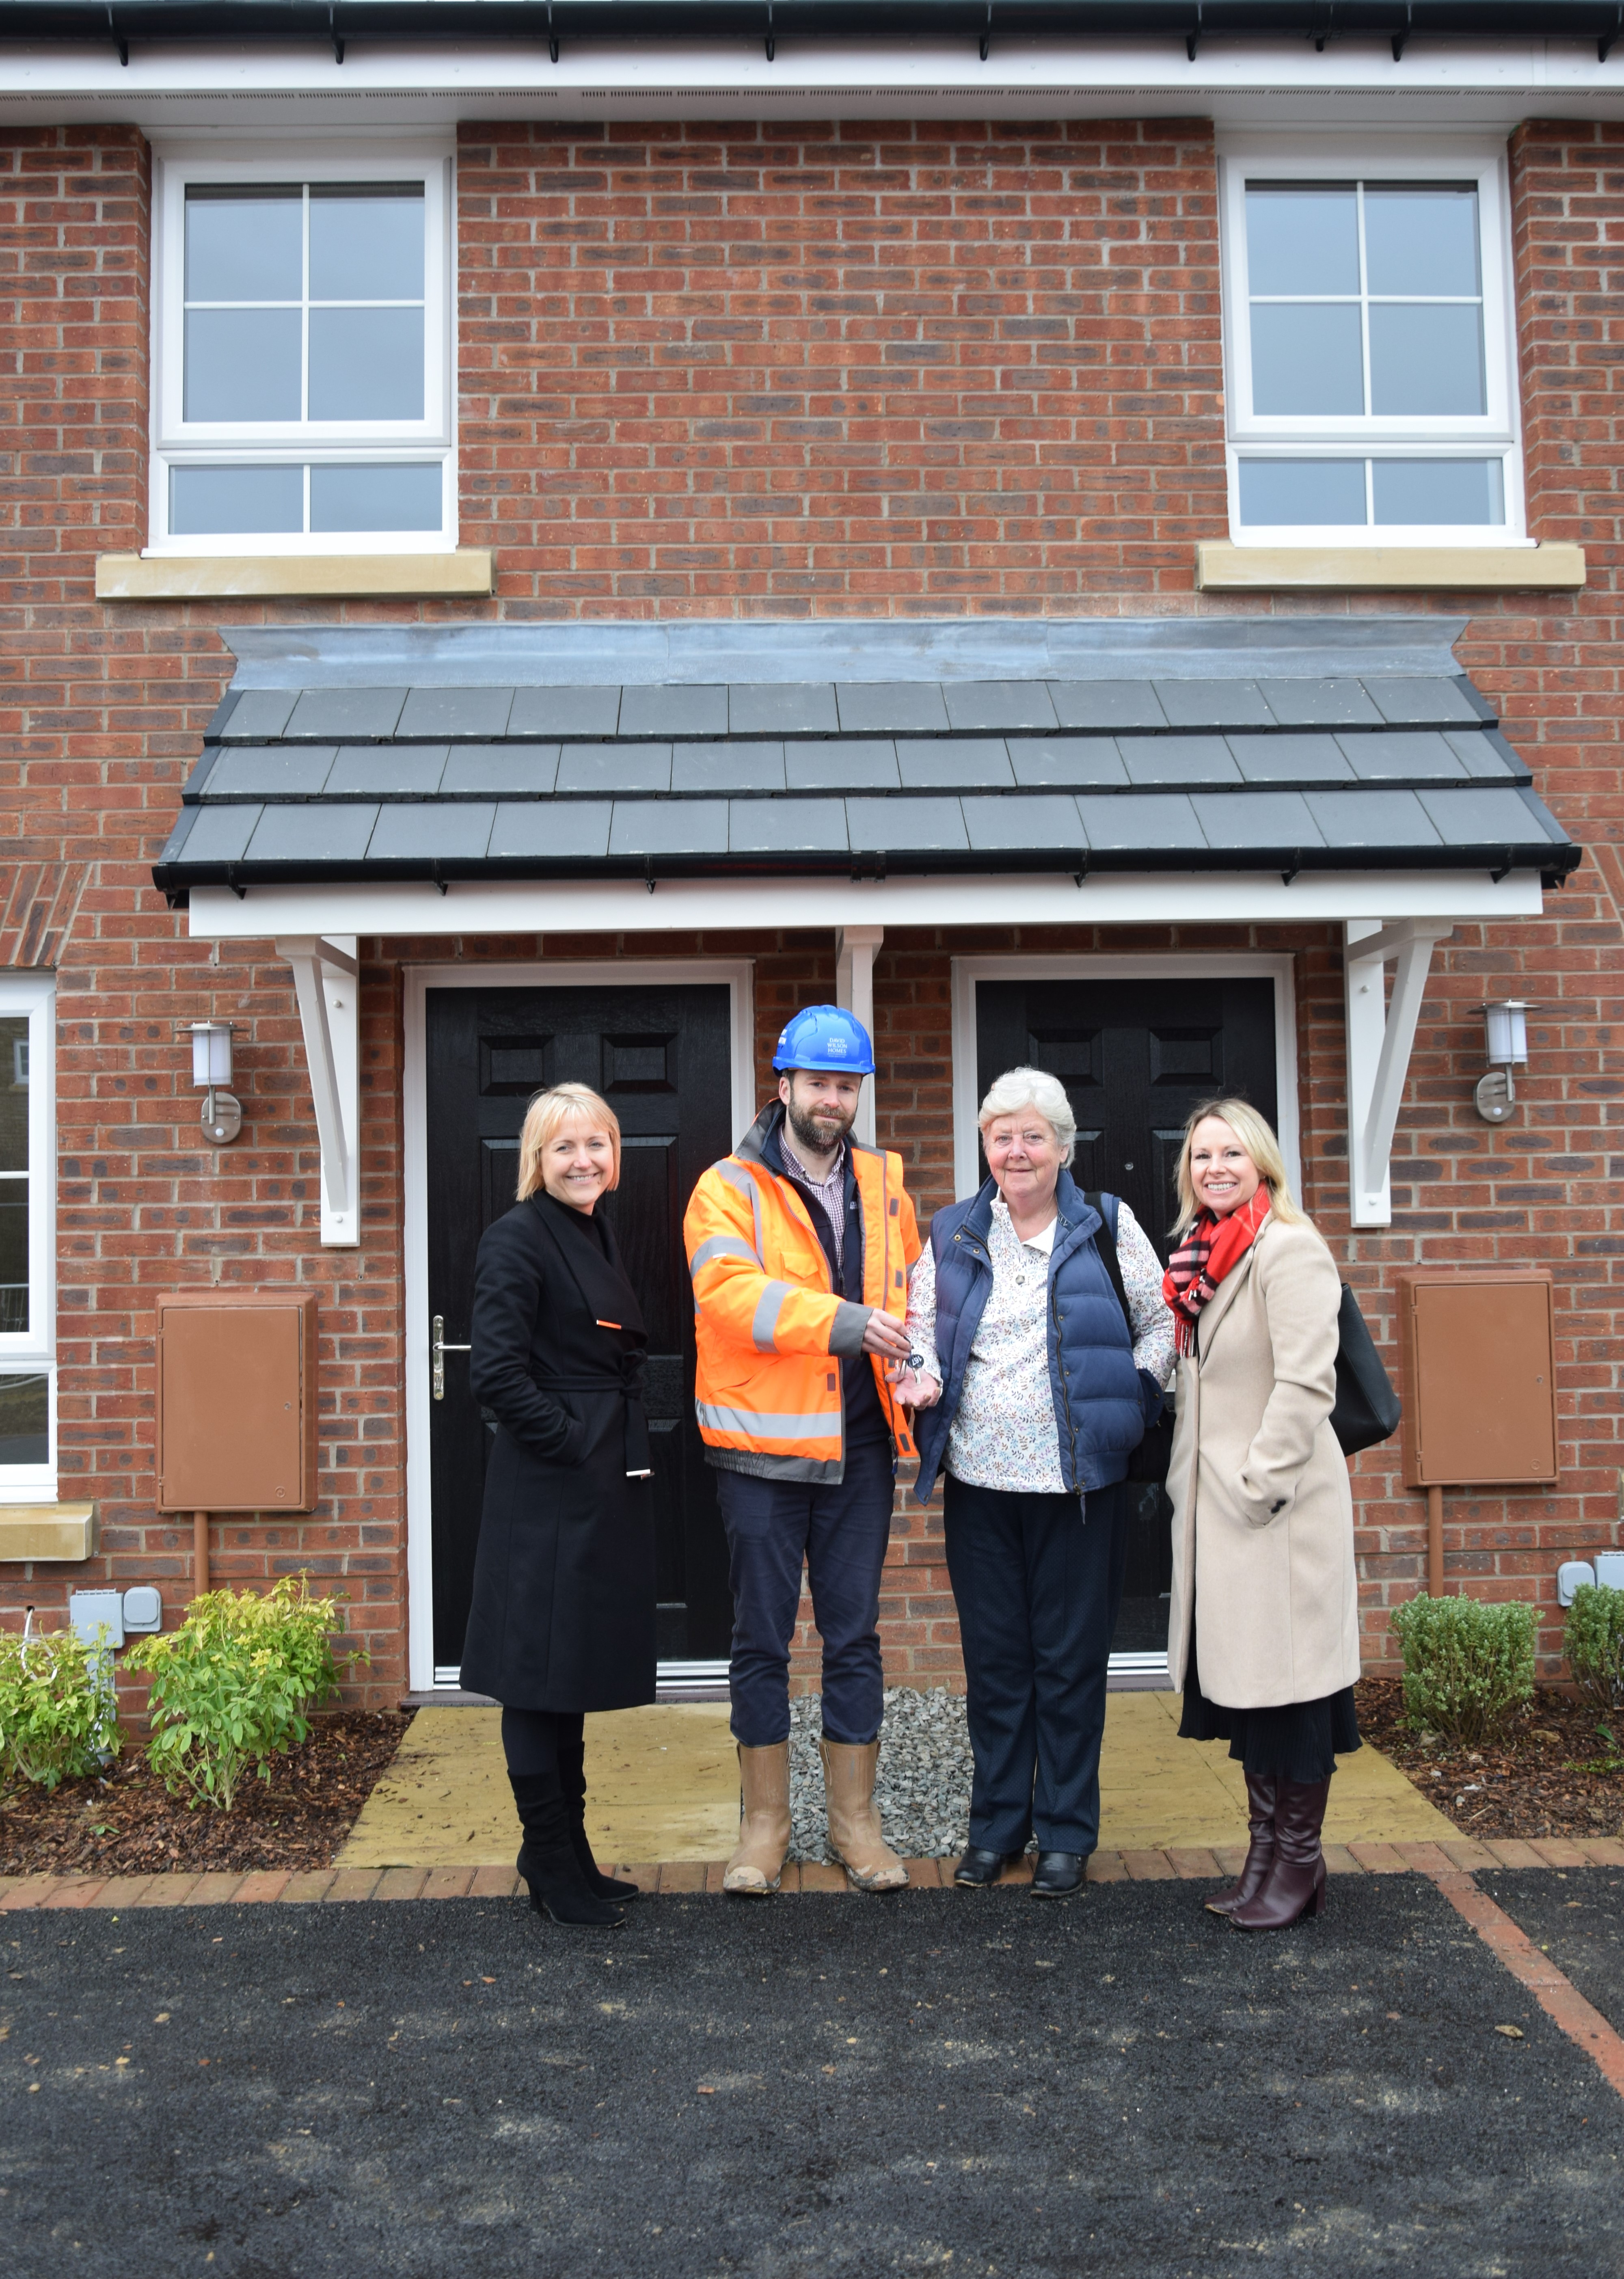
[
  {"x": 230, "y": 1686},
  {"x": 1466, "y": 1664},
  {"x": 58, "y": 1720},
  {"x": 1593, "y": 1641}
]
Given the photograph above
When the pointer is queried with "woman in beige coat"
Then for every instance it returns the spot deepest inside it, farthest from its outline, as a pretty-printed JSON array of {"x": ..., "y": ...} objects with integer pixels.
[{"x": 1263, "y": 1633}]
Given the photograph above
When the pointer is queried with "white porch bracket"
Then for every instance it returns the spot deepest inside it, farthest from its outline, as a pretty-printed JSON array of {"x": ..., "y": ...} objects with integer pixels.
[
  {"x": 1380, "y": 1038},
  {"x": 325, "y": 976},
  {"x": 854, "y": 949}
]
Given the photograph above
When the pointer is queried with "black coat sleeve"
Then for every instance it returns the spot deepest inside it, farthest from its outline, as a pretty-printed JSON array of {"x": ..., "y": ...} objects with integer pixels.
[{"x": 509, "y": 1290}]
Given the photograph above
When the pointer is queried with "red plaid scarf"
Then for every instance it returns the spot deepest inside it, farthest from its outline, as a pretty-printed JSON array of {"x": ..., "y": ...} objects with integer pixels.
[{"x": 1204, "y": 1258}]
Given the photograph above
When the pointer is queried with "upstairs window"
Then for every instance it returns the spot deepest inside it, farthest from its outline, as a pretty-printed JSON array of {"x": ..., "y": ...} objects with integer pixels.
[
  {"x": 28, "y": 1241},
  {"x": 1369, "y": 354},
  {"x": 303, "y": 357}
]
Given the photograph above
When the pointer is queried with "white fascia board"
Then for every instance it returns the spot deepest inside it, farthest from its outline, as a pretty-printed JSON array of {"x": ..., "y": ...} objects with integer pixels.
[
  {"x": 270, "y": 86},
  {"x": 755, "y": 905}
]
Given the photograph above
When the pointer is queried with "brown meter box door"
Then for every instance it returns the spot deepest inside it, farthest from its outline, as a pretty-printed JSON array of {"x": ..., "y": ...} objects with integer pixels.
[
  {"x": 1478, "y": 1349},
  {"x": 236, "y": 1401}
]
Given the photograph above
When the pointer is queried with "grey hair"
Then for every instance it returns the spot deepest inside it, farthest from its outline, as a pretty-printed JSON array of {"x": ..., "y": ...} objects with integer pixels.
[{"x": 1030, "y": 1087}]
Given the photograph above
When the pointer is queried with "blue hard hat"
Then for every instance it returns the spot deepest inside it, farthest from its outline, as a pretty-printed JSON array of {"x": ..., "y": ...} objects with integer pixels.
[{"x": 824, "y": 1037}]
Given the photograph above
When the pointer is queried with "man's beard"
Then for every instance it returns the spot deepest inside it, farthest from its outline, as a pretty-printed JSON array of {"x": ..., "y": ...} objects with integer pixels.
[{"x": 821, "y": 1139}]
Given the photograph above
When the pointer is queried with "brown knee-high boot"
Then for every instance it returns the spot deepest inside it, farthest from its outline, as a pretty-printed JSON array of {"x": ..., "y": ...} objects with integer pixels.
[
  {"x": 1261, "y": 1855},
  {"x": 1295, "y": 1884}
]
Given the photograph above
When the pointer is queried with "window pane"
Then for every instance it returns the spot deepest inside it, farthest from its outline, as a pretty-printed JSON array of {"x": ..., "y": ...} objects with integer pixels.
[
  {"x": 1302, "y": 490},
  {"x": 13, "y": 1255},
  {"x": 215, "y": 501},
  {"x": 1421, "y": 241},
  {"x": 242, "y": 364},
  {"x": 244, "y": 246},
  {"x": 366, "y": 243},
  {"x": 1439, "y": 490},
  {"x": 1425, "y": 358},
  {"x": 1306, "y": 357},
  {"x": 375, "y": 498},
  {"x": 366, "y": 364},
  {"x": 24, "y": 1419},
  {"x": 14, "y": 1092},
  {"x": 1302, "y": 240}
]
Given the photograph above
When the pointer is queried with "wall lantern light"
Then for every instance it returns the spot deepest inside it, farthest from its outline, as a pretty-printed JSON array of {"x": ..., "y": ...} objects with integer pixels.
[
  {"x": 222, "y": 1114},
  {"x": 1505, "y": 1022}
]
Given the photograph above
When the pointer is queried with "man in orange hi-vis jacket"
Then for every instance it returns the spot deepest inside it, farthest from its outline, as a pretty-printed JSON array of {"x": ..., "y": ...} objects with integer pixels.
[{"x": 800, "y": 1244}]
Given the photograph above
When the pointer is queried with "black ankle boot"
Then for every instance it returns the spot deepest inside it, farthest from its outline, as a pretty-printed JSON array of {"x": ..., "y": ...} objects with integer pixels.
[
  {"x": 548, "y": 1860},
  {"x": 572, "y": 1779}
]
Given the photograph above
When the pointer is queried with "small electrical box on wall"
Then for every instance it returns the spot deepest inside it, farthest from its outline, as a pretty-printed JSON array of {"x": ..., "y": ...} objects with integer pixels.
[
  {"x": 1478, "y": 1349},
  {"x": 236, "y": 1401}
]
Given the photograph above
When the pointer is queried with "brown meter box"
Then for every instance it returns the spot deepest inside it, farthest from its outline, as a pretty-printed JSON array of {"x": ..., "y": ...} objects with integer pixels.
[
  {"x": 1478, "y": 1348},
  {"x": 236, "y": 1401}
]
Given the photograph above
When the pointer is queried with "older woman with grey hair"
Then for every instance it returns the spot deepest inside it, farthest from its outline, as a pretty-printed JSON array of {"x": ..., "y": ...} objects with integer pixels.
[{"x": 1041, "y": 1346}]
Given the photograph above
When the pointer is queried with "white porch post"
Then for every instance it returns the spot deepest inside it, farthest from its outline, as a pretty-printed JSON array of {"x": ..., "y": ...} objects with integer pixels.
[
  {"x": 325, "y": 976},
  {"x": 854, "y": 949},
  {"x": 1380, "y": 1038}
]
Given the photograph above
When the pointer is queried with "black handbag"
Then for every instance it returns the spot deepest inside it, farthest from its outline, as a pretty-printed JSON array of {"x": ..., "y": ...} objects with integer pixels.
[
  {"x": 1367, "y": 1410},
  {"x": 1150, "y": 1461}
]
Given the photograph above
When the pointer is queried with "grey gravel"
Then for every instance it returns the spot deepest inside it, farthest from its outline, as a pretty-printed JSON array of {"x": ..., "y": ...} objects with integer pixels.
[{"x": 923, "y": 1785}]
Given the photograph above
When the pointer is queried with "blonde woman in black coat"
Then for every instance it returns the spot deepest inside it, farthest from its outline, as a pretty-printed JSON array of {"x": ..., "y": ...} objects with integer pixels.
[{"x": 562, "y": 1619}]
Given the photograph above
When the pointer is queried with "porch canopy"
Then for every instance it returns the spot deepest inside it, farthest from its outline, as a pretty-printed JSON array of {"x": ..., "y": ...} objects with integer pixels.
[{"x": 591, "y": 777}]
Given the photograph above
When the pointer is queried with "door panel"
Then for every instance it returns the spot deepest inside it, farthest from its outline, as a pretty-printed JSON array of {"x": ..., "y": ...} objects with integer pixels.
[{"x": 661, "y": 1057}]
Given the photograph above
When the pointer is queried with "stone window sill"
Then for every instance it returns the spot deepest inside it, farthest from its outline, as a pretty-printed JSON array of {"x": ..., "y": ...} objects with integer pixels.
[
  {"x": 47, "y": 1531},
  {"x": 1223, "y": 567},
  {"x": 326, "y": 577}
]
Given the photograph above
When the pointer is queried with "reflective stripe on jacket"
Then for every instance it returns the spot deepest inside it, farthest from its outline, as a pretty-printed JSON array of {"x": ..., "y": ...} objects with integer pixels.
[{"x": 770, "y": 1329}]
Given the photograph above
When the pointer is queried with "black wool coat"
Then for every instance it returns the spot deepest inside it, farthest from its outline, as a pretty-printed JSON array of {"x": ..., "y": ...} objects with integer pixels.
[{"x": 563, "y": 1590}]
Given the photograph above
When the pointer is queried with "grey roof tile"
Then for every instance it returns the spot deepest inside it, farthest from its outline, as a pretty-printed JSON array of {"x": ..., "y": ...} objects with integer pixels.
[
  {"x": 917, "y": 824},
  {"x": 270, "y": 771},
  {"x": 1213, "y": 704},
  {"x": 1177, "y": 760},
  {"x": 314, "y": 833},
  {"x": 1139, "y": 821},
  {"x": 1106, "y": 704},
  {"x": 202, "y": 768},
  {"x": 575, "y": 830},
  {"x": 787, "y": 827},
  {"x": 423, "y": 830},
  {"x": 668, "y": 827},
  {"x": 1400, "y": 752},
  {"x": 1485, "y": 752},
  {"x": 468, "y": 714},
  {"x": 1320, "y": 703},
  {"x": 340, "y": 715},
  {"x": 386, "y": 771},
  {"x": 673, "y": 711},
  {"x": 843, "y": 765},
  {"x": 563, "y": 712},
  {"x": 1371, "y": 818},
  {"x": 180, "y": 831},
  {"x": 1290, "y": 759},
  {"x": 1000, "y": 704},
  {"x": 220, "y": 834},
  {"x": 782, "y": 707},
  {"x": 1480, "y": 815},
  {"x": 1043, "y": 822},
  {"x": 615, "y": 767},
  {"x": 728, "y": 767},
  {"x": 1420, "y": 701},
  {"x": 258, "y": 713},
  {"x": 881, "y": 707},
  {"x": 1085, "y": 761},
  {"x": 962, "y": 763},
  {"x": 500, "y": 771},
  {"x": 1255, "y": 818}
]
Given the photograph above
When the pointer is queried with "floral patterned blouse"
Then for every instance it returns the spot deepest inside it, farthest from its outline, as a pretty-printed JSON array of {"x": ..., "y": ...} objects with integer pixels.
[{"x": 1005, "y": 1435}]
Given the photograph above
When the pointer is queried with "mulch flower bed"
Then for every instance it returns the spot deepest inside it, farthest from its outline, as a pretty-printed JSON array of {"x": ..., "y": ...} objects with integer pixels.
[
  {"x": 1553, "y": 1772},
  {"x": 128, "y": 1824}
]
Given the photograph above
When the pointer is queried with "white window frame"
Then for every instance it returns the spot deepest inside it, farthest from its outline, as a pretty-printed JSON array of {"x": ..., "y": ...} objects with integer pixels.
[
  {"x": 33, "y": 1352},
  {"x": 1493, "y": 433},
  {"x": 431, "y": 440}
]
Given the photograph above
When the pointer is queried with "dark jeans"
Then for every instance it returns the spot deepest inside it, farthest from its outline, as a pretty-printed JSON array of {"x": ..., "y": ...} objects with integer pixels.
[
  {"x": 1038, "y": 1580},
  {"x": 841, "y": 1533}
]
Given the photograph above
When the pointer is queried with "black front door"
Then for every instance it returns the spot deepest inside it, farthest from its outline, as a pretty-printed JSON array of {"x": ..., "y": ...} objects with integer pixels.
[
  {"x": 1134, "y": 1057},
  {"x": 660, "y": 1057}
]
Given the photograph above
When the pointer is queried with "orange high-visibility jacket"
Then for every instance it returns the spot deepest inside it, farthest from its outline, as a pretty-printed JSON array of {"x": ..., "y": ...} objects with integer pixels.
[{"x": 771, "y": 1328}]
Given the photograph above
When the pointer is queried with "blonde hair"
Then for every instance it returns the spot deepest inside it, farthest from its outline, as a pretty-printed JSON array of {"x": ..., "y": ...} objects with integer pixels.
[
  {"x": 1257, "y": 1137},
  {"x": 1036, "y": 1088},
  {"x": 546, "y": 1114}
]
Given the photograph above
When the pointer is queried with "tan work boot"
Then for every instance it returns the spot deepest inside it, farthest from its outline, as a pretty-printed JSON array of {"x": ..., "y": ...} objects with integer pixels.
[
  {"x": 855, "y": 1834},
  {"x": 763, "y": 1822}
]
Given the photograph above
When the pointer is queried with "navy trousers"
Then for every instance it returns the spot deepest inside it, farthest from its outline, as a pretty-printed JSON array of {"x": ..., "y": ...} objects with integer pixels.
[
  {"x": 841, "y": 1533},
  {"x": 1039, "y": 1580}
]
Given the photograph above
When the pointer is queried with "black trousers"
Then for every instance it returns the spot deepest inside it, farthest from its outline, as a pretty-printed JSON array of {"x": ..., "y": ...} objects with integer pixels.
[
  {"x": 547, "y": 1745},
  {"x": 1039, "y": 1581}
]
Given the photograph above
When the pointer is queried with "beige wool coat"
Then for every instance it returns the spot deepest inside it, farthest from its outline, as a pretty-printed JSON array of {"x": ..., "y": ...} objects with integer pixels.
[{"x": 1262, "y": 1513}]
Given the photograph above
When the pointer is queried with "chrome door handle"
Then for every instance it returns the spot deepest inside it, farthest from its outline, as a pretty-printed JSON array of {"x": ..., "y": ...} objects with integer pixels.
[{"x": 438, "y": 1350}]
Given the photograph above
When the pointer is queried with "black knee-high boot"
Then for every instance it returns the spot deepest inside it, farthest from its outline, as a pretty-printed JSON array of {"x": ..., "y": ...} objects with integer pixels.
[
  {"x": 547, "y": 1859},
  {"x": 573, "y": 1778}
]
